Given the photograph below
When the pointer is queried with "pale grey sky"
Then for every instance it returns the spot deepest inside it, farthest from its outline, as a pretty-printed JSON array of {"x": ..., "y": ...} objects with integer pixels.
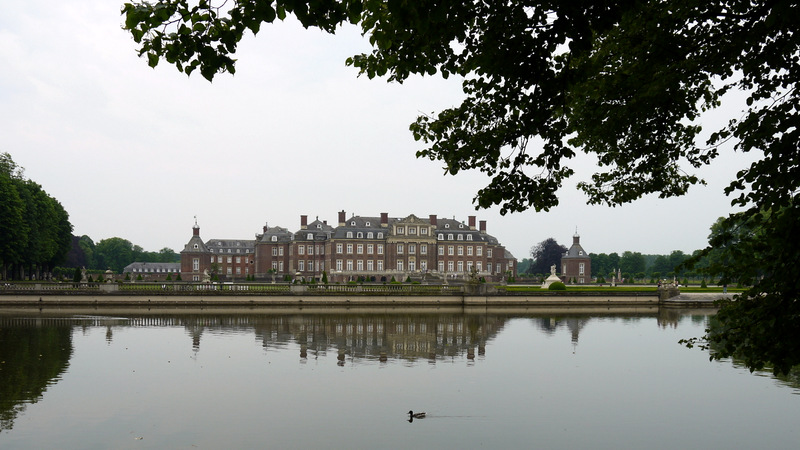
[{"x": 136, "y": 153}]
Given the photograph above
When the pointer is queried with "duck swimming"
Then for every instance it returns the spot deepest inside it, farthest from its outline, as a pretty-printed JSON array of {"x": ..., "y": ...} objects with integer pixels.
[{"x": 413, "y": 415}]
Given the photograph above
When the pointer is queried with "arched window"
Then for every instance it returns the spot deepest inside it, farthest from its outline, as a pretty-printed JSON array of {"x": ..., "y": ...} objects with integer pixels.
[
  {"x": 449, "y": 236},
  {"x": 380, "y": 235},
  {"x": 349, "y": 234},
  {"x": 360, "y": 235},
  {"x": 469, "y": 237},
  {"x": 369, "y": 235},
  {"x": 441, "y": 236}
]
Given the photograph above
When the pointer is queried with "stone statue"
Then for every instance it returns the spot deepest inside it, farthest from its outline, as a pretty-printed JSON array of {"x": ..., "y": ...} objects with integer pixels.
[
  {"x": 553, "y": 269},
  {"x": 206, "y": 276},
  {"x": 84, "y": 278}
]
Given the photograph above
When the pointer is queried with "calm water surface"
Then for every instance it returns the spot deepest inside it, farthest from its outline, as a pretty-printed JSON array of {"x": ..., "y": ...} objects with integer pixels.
[{"x": 341, "y": 379}]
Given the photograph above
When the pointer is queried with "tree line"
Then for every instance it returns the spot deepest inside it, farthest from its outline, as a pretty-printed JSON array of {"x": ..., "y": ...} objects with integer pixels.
[
  {"x": 633, "y": 266},
  {"x": 35, "y": 231},
  {"x": 113, "y": 253}
]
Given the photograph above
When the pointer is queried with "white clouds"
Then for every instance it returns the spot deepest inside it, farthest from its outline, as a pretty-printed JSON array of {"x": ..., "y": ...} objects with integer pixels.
[{"x": 137, "y": 152}]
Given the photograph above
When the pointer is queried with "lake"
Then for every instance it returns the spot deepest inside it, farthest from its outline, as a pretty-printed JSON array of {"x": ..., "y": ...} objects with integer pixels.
[{"x": 338, "y": 378}]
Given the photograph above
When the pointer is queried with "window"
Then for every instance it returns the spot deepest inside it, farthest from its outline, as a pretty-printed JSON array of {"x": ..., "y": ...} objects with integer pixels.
[
  {"x": 360, "y": 265},
  {"x": 301, "y": 266},
  {"x": 238, "y": 260},
  {"x": 478, "y": 266},
  {"x": 280, "y": 266},
  {"x": 349, "y": 249},
  {"x": 423, "y": 248},
  {"x": 489, "y": 252},
  {"x": 230, "y": 259},
  {"x": 310, "y": 249},
  {"x": 370, "y": 249},
  {"x": 380, "y": 249},
  {"x": 423, "y": 231},
  {"x": 369, "y": 235},
  {"x": 400, "y": 265},
  {"x": 310, "y": 236},
  {"x": 460, "y": 237},
  {"x": 339, "y": 248},
  {"x": 460, "y": 250},
  {"x": 280, "y": 251},
  {"x": 380, "y": 235},
  {"x": 274, "y": 251},
  {"x": 360, "y": 249},
  {"x": 449, "y": 266},
  {"x": 399, "y": 249},
  {"x": 366, "y": 224},
  {"x": 581, "y": 268},
  {"x": 412, "y": 230},
  {"x": 469, "y": 237},
  {"x": 441, "y": 236},
  {"x": 461, "y": 225},
  {"x": 380, "y": 265},
  {"x": 441, "y": 250},
  {"x": 447, "y": 225},
  {"x": 479, "y": 251},
  {"x": 238, "y": 271},
  {"x": 338, "y": 265},
  {"x": 461, "y": 266},
  {"x": 370, "y": 265},
  {"x": 349, "y": 234},
  {"x": 423, "y": 265},
  {"x": 349, "y": 264},
  {"x": 230, "y": 270},
  {"x": 412, "y": 266},
  {"x": 310, "y": 265},
  {"x": 580, "y": 252},
  {"x": 441, "y": 266},
  {"x": 469, "y": 266},
  {"x": 401, "y": 230},
  {"x": 360, "y": 235},
  {"x": 196, "y": 246},
  {"x": 469, "y": 250},
  {"x": 212, "y": 262},
  {"x": 449, "y": 236},
  {"x": 352, "y": 223},
  {"x": 412, "y": 249},
  {"x": 274, "y": 265},
  {"x": 196, "y": 264},
  {"x": 301, "y": 250}
]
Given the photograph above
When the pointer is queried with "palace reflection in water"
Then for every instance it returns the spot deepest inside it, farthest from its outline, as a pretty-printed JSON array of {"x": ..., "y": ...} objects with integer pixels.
[{"x": 161, "y": 370}]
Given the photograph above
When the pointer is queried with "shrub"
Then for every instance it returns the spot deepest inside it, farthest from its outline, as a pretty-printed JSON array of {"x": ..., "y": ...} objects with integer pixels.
[
  {"x": 703, "y": 284},
  {"x": 557, "y": 286}
]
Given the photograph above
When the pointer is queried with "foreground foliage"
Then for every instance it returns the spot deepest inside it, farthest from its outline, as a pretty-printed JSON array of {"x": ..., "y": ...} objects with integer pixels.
[{"x": 625, "y": 82}]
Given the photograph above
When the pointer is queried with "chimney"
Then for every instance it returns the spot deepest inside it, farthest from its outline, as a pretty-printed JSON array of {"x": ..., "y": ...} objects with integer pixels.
[
  {"x": 576, "y": 239},
  {"x": 483, "y": 226},
  {"x": 471, "y": 222},
  {"x": 195, "y": 230},
  {"x": 303, "y": 222},
  {"x": 341, "y": 218},
  {"x": 266, "y": 227},
  {"x": 432, "y": 218},
  {"x": 384, "y": 220}
]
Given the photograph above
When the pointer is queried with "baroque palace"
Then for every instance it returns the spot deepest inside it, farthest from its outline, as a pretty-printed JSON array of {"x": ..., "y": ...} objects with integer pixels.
[{"x": 357, "y": 249}]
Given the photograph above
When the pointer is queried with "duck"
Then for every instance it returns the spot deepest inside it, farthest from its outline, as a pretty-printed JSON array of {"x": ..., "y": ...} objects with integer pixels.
[{"x": 419, "y": 415}]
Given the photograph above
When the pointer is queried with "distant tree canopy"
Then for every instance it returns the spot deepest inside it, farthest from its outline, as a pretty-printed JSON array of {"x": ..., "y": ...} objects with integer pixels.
[
  {"x": 35, "y": 232},
  {"x": 626, "y": 82},
  {"x": 545, "y": 254},
  {"x": 115, "y": 253}
]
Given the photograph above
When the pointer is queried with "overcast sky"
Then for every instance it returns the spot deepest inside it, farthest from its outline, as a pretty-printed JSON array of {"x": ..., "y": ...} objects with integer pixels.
[{"x": 137, "y": 153}]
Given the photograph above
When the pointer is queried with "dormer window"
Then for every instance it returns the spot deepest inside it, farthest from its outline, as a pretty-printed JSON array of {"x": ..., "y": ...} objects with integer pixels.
[
  {"x": 352, "y": 223},
  {"x": 319, "y": 226},
  {"x": 274, "y": 238},
  {"x": 449, "y": 236},
  {"x": 441, "y": 236},
  {"x": 196, "y": 246},
  {"x": 469, "y": 237},
  {"x": 460, "y": 237},
  {"x": 310, "y": 236},
  {"x": 580, "y": 252},
  {"x": 447, "y": 225},
  {"x": 349, "y": 234},
  {"x": 367, "y": 224},
  {"x": 360, "y": 235},
  {"x": 369, "y": 235},
  {"x": 380, "y": 235},
  {"x": 461, "y": 225}
]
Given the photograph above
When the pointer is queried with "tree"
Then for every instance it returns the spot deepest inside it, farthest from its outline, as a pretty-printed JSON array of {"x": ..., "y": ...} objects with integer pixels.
[
  {"x": 625, "y": 82},
  {"x": 632, "y": 262},
  {"x": 114, "y": 253},
  {"x": 545, "y": 254}
]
